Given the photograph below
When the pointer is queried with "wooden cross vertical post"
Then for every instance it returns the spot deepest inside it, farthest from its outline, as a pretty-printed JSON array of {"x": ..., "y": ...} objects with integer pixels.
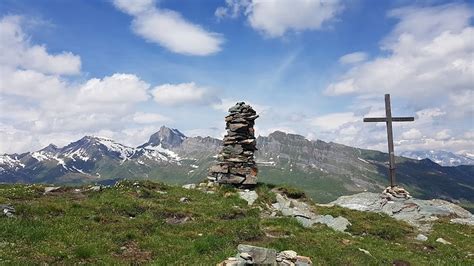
[{"x": 388, "y": 119}]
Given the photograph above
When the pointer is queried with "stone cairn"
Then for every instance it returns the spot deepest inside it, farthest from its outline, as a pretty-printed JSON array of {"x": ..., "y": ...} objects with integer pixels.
[
  {"x": 236, "y": 163},
  {"x": 396, "y": 193}
]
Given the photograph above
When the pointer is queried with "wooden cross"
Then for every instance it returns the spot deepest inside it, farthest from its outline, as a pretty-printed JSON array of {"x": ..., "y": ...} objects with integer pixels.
[{"x": 389, "y": 119}]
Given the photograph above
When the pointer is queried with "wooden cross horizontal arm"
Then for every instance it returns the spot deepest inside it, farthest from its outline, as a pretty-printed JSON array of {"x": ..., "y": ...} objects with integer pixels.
[{"x": 394, "y": 119}]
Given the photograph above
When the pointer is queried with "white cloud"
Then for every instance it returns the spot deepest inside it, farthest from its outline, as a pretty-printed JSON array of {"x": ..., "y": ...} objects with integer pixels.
[
  {"x": 413, "y": 133},
  {"x": 183, "y": 93},
  {"x": 21, "y": 53},
  {"x": 134, "y": 7},
  {"x": 276, "y": 17},
  {"x": 430, "y": 53},
  {"x": 232, "y": 9},
  {"x": 428, "y": 69},
  {"x": 334, "y": 120},
  {"x": 353, "y": 58},
  {"x": 149, "y": 118},
  {"x": 227, "y": 103},
  {"x": 29, "y": 83},
  {"x": 40, "y": 105},
  {"x": 169, "y": 29},
  {"x": 117, "y": 89},
  {"x": 443, "y": 134}
]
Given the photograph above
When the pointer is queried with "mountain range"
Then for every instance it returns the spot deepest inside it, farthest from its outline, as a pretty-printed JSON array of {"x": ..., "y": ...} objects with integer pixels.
[
  {"x": 444, "y": 158},
  {"x": 325, "y": 170}
]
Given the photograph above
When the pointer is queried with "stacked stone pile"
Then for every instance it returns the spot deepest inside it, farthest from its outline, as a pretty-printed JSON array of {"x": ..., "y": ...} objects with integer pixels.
[
  {"x": 396, "y": 192},
  {"x": 252, "y": 255},
  {"x": 236, "y": 160}
]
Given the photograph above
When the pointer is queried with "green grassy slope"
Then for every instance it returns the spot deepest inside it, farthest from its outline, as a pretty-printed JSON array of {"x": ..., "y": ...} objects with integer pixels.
[{"x": 145, "y": 222}]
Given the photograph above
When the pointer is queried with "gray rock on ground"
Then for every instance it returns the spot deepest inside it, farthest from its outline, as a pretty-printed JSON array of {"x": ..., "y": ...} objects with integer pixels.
[
  {"x": 421, "y": 237},
  {"x": 50, "y": 189},
  {"x": 7, "y": 210},
  {"x": 303, "y": 213},
  {"x": 443, "y": 241},
  {"x": 252, "y": 255},
  {"x": 249, "y": 195},
  {"x": 189, "y": 186},
  {"x": 416, "y": 212}
]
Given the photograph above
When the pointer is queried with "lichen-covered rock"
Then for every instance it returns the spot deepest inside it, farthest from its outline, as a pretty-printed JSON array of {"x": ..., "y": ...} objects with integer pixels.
[{"x": 236, "y": 160}]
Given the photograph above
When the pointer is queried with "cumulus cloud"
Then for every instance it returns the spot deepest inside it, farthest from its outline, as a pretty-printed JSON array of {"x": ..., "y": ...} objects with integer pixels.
[
  {"x": 276, "y": 17},
  {"x": 41, "y": 104},
  {"x": 413, "y": 133},
  {"x": 427, "y": 66},
  {"x": 183, "y": 93},
  {"x": 169, "y": 29},
  {"x": 334, "y": 120},
  {"x": 118, "y": 89},
  {"x": 430, "y": 50},
  {"x": 21, "y": 53}
]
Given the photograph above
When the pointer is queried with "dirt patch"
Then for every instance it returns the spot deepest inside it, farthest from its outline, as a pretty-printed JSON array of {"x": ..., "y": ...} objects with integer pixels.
[
  {"x": 132, "y": 252},
  {"x": 233, "y": 214},
  {"x": 178, "y": 218}
]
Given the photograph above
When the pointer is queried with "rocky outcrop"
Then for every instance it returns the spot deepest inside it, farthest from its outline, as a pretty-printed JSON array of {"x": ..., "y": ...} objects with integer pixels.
[
  {"x": 252, "y": 255},
  {"x": 416, "y": 212},
  {"x": 236, "y": 164},
  {"x": 305, "y": 215}
]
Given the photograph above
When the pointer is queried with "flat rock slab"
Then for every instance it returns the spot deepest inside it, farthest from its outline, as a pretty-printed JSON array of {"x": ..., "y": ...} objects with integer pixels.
[
  {"x": 416, "y": 212},
  {"x": 303, "y": 213},
  {"x": 249, "y": 195},
  {"x": 259, "y": 255}
]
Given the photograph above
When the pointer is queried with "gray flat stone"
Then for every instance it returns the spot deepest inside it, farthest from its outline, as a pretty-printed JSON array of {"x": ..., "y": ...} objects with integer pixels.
[
  {"x": 250, "y": 196},
  {"x": 421, "y": 237},
  {"x": 189, "y": 186},
  {"x": 259, "y": 255},
  {"x": 304, "y": 215},
  {"x": 416, "y": 212}
]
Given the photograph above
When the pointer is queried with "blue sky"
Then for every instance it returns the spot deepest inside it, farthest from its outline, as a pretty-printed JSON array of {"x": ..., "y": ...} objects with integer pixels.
[{"x": 123, "y": 68}]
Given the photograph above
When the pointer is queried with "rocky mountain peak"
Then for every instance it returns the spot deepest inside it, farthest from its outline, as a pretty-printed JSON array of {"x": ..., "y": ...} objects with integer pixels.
[
  {"x": 51, "y": 148},
  {"x": 167, "y": 137},
  {"x": 283, "y": 136}
]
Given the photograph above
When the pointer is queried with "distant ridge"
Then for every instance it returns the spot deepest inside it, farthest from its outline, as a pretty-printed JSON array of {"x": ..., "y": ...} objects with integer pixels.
[{"x": 324, "y": 170}]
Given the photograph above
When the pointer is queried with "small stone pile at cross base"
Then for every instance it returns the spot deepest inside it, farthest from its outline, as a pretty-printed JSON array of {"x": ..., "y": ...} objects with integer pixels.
[
  {"x": 236, "y": 164},
  {"x": 396, "y": 192}
]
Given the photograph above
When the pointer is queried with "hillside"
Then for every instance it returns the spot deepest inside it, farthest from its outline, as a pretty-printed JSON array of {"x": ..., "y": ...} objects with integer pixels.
[
  {"x": 138, "y": 222},
  {"x": 324, "y": 170}
]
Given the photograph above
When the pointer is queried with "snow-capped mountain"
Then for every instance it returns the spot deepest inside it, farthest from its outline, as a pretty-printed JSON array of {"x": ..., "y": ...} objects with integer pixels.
[
  {"x": 91, "y": 157},
  {"x": 444, "y": 158},
  {"x": 324, "y": 170}
]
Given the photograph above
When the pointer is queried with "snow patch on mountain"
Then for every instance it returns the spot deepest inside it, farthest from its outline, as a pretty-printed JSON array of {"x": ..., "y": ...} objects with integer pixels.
[
  {"x": 40, "y": 156},
  {"x": 159, "y": 148},
  {"x": 443, "y": 158},
  {"x": 9, "y": 161},
  {"x": 123, "y": 151}
]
